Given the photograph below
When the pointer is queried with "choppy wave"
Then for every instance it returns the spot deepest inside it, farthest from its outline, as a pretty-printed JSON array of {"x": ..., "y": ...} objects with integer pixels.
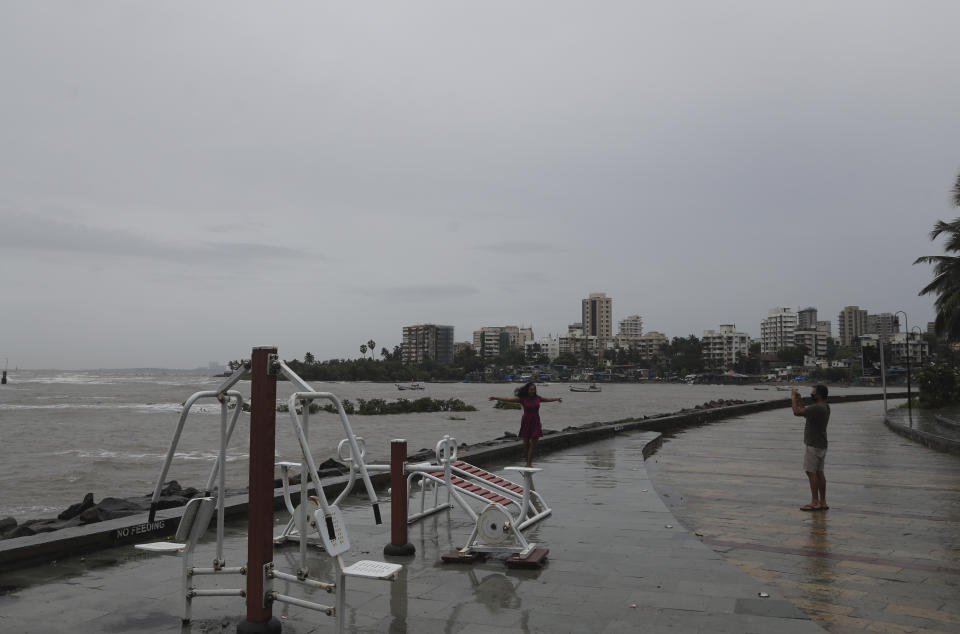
[
  {"x": 107, "y": 454},
  {"x": 151, "y": 407},
  {"x": 28, "y": 510},
  {"x": 102, "y": 379}
]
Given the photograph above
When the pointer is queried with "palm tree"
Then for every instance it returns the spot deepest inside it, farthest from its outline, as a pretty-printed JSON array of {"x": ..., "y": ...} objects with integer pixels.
[
  {"x": 946, "y": 274},
  {"x": 372, "y": 347},
  {"x": 363, "y": 350}
]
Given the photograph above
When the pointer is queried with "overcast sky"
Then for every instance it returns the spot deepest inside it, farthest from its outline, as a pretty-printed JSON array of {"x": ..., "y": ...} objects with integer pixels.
[{"x": 182, "y": 181}]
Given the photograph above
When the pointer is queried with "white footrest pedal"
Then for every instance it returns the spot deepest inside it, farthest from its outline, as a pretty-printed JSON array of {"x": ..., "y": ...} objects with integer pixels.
[
  {"x": 372, "y": 569},
  {"x": 161, "y": 547}
]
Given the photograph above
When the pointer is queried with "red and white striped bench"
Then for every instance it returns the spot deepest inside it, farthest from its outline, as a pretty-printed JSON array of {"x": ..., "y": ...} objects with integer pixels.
[{"x": 471, "y": 486}]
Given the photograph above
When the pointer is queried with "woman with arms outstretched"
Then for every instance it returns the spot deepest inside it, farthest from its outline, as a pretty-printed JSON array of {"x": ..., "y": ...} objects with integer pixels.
[{"x": 530, "y": 428}]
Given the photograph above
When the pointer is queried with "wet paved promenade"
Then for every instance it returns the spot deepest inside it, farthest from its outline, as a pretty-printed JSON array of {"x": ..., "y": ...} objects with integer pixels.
[
  {"x": 884, "y": 558},
  {"x": 620, "y": 559}
]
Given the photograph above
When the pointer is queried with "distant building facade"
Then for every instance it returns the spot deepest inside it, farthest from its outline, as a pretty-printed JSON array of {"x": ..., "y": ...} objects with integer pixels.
[
  {"x": 852, "y": 322},
  {"x": 776, "y": 331},
  {"x": 598, "y": 316},
  {"x": 902, "y": 346},
  {"x": 884, "y": 324},
  {"x": 651, "y": 344},
  {"x": 630, "y": 327},
  {"x": 815, "y": 342},
  {"x": 722, "y": 348},
  {"x": 491, "y": 341},
  {"x": 428, "y": 342},
  {"x": 578, "y": 345},
  {"x": 807, "y": 318},
  {"x": 544, "y": 345}
]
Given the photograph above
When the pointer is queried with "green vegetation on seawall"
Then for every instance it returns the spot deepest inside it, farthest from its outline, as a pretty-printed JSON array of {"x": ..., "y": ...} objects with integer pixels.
[{"x": 379, "y": 406}]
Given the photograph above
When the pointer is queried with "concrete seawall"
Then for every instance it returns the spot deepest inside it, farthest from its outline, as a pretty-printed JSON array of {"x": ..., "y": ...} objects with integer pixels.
[
  {"x": 938, "y": 443},
  {"x": 23, "y": 551}
]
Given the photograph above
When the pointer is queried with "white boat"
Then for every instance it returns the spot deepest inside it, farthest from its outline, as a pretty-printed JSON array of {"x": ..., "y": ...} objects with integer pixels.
[
  {"x": 409, "y": 386},
  {"x": 585, "y": 388}
]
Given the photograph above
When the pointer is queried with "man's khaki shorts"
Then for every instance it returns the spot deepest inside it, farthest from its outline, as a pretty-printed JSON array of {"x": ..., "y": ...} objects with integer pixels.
[{"x": 813, "y": 459}]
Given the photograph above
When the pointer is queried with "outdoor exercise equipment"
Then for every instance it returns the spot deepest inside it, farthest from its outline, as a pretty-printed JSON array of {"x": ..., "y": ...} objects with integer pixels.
[
  {"x": 508, "y": 507},
  {"x": 325, "y": 519}
]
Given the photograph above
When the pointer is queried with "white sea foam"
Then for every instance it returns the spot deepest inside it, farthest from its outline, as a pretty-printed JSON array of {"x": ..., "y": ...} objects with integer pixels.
[
  {"x": 107, "y": 454},
  {"x": 80, "y": 378},
  {"x": 151, "y": 407}
]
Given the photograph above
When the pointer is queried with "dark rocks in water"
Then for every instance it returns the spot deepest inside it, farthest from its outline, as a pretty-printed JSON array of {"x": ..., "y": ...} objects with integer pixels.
[
  {"x": 77, "y": 509},
  {"x": 173, "y": 501},
  {"x": 424, "y": 455},
  {"x": 330, "y": 467},
  {"x": 173, "y": 489},
  {"x": 172, "y": 495},
  {"x": 6, "y": 524},
  {"x": 55, "y": 526},
  {"x": 112, "y": 508},
  {"x": 31, "y": 527}
]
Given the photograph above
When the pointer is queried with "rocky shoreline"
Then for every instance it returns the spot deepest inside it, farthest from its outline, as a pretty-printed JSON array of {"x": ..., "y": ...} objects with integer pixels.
[{"x": 172, "y": 495}]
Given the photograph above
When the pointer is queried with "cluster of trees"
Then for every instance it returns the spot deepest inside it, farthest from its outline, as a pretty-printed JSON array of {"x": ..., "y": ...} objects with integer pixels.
[{"x": 379, "y": 406}]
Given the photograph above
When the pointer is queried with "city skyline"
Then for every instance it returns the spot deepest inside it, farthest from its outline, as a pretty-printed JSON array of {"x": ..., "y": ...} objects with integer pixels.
[{"x": 183, "y": 183}]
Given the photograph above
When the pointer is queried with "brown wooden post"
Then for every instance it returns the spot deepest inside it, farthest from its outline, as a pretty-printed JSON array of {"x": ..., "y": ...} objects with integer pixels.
[
  {"x": 398, "y": 502},
  {"x": 263, "y": 423}
]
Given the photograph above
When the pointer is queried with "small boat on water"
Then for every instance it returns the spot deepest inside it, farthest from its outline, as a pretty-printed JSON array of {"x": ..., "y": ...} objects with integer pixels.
[
  {"x": 585, "y": 388},
  {"x": 409, "y": 386}
]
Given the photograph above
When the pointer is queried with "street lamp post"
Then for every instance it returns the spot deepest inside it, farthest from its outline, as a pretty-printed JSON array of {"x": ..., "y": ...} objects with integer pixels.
[{"x": 906, "y": 326}]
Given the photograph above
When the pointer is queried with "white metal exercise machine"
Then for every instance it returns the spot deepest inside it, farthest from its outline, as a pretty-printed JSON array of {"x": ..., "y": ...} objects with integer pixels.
[
  {"x": 326, "y": 519},
  {"x": 508, "y": 507}
]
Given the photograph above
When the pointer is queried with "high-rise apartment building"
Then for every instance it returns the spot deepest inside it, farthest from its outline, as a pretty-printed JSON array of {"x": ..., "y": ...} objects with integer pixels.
[
  {"x": 649, "y": 345},
  {"x": 904, "y": 344},
  {"x": 722, "y": 348},
  {"x": 491, "y": 341},
  {"x": 578, "y": 345},
  {"x": 630, "y": 327},
  {"x": 852, "y": 323},
  {"x": 825, "y": 327},
  {"x": 428, "y": 341},
  {"x": 807, "y": 318},
  {"x": 776, "y": 331},
  {"x": 814, "y": 341},
  {"x": 884, "y": 324},
  {"x": 598, "y": 316},
  {"x": 543, "y": 346}
]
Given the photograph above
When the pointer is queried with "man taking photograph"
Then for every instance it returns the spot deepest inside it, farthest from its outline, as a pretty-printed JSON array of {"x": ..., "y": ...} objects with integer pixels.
[{"x": 815, "y": 438}]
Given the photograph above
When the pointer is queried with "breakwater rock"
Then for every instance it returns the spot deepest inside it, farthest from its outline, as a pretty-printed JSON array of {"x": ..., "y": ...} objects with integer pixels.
[{"x": 172, "y": 495}]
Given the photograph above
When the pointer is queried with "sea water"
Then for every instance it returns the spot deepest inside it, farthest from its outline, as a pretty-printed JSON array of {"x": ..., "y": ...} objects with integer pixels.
[{"x": 66, "y": 433}]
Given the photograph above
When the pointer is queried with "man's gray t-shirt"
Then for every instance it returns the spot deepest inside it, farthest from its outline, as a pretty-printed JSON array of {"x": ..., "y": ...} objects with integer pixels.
[{"x": 815, "y": 429}]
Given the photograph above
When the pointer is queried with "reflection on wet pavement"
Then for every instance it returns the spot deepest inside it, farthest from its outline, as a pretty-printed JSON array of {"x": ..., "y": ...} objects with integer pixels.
[{"x": 885, "y": 557}]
